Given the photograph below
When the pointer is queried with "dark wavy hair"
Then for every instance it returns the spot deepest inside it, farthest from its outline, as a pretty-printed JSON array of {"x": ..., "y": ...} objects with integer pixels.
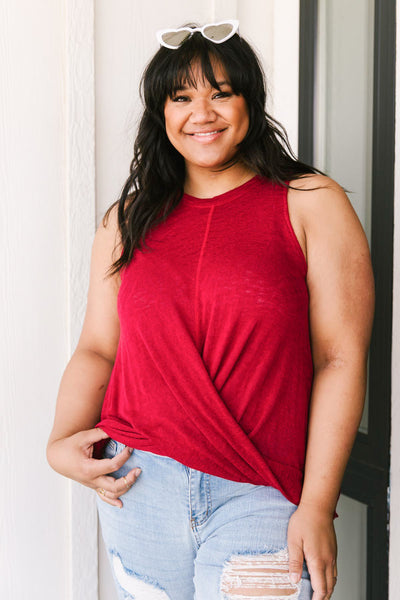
[{"x": 157, "y": 171}]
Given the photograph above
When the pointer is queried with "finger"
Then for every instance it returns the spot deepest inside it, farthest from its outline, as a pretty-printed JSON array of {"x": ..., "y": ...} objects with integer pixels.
[
  {"x": 103, "y": 495},
  {"x": 296, "y": 558},
  {"x": 122, "y": 484},
  {"x": 330, "y": 583},
  {"x": 331, "y": 578},
  {"x": 117, "y": 487},
  {"x": 120, "y": 459},
  {"x": 335, "y": 570},
  {"x": 91, "y": 436},
  {"x": 109, "y": 465},
  {"x": 127, "y": 481},
  {"x": 318, "y": 580}
]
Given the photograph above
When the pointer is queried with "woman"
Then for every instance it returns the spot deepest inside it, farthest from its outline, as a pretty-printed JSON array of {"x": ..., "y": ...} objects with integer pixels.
[{"x": 245, "y": 300}]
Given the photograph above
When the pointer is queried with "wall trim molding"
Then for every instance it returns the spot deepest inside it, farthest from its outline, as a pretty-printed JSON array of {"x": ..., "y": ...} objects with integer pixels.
[{"x": 80, "y": 216}]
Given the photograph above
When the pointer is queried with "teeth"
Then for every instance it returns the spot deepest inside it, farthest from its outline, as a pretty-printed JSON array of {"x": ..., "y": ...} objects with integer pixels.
[{"x": 208, "y": 133}]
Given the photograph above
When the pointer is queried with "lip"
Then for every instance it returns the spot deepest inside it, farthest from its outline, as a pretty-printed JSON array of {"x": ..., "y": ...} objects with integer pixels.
[{"x": 205, "y": 137}]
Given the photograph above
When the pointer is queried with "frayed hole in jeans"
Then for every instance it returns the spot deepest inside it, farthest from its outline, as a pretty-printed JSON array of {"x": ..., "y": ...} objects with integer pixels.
[
  {"x": 138, "y": 586},
  {"x": 261, "y": 576}
]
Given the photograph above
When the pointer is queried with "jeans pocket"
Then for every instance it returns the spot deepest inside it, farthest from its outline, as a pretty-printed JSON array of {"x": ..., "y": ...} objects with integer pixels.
[{"x": 110, "y": 449}]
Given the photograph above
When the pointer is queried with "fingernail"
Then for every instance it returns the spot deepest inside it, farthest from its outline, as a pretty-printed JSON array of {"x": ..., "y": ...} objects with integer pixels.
[
  {"x": 294, "y": 577},
  {"x": 137, "y": 472},
  {"x": 130, "y": 450}
]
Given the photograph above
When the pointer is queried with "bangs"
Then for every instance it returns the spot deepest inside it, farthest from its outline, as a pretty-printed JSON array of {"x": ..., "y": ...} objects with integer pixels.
[{"x": 191, "y": 70}]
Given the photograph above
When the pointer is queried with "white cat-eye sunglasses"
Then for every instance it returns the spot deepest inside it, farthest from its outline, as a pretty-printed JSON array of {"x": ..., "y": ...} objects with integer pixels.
[{"x": 215, "y": 32}]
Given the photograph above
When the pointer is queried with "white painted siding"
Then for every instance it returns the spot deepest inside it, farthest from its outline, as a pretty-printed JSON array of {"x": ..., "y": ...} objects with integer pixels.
[{"x": 33, "y": 315}]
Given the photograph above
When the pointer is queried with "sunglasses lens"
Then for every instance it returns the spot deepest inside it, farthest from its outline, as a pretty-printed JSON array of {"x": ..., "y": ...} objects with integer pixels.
[
  {"x": 175, "y": 38},
  {"x": 218, "y": 32}
]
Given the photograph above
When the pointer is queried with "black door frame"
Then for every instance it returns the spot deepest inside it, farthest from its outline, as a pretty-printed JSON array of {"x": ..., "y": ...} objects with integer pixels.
[{"x": 367, "y": 475}]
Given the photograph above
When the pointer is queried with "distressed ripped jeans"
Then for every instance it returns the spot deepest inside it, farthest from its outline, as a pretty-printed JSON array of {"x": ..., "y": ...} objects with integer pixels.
[{"x": 183, "y": 535}]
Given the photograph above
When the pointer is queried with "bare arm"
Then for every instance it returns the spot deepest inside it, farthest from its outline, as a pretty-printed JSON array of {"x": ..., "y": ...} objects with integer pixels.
[
  {"x": 340, "y": 284},
  {"x": 84, "y": 382},
  {"x": 85, "y": 379}
]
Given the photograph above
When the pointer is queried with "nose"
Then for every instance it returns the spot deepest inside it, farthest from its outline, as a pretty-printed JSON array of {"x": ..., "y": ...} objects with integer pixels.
[{"x": 202, "y": 111}]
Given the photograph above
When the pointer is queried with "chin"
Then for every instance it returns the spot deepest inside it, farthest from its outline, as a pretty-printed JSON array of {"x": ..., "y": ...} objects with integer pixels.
[{"x": 211, "y": 164}]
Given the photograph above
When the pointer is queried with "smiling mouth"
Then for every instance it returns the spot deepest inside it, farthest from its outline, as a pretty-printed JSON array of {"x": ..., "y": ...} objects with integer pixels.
[
  {"x": 206, "y": 136},
  {"x": 206, "y": 133}
]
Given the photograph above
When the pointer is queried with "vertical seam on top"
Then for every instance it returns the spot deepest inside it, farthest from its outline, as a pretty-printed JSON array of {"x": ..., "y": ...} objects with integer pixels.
[{"x": 196, "y": 300}]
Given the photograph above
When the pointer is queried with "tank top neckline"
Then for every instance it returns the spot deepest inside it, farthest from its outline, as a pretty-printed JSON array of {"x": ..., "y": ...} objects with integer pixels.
[{"x": 228, "y": 196}]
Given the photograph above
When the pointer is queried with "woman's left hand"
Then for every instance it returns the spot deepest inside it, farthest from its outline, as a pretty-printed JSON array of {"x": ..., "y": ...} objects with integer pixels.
[{"x": 311, "y": 536}]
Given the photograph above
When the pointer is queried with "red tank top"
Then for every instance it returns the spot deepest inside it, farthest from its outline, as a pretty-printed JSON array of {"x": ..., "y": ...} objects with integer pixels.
[{"x": 214, "y": 365}]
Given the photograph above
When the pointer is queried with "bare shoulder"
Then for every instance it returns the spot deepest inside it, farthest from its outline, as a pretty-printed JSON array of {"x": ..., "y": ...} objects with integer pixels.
[
  {"x": 314, "y": 181},
  {"x": 320, "y": 207},
  {"x": 314, "y": 194}
]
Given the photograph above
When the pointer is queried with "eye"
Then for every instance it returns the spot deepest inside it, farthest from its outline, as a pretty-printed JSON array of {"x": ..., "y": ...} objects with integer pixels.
[
  {"x": 180, "y": 98},
  {"x": 222, "y": 95}
]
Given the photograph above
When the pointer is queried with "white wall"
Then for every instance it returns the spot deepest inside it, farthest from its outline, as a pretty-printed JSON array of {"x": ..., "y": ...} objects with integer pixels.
[{"x": 33, "y": 333}]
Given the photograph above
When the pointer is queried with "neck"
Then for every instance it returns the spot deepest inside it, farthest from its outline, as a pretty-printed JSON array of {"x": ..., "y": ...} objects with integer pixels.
[{"x": 204, "y": 183}]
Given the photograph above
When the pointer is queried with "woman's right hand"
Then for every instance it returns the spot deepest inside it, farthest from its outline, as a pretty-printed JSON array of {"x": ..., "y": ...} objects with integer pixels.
[{"x": 73, "y": 457}]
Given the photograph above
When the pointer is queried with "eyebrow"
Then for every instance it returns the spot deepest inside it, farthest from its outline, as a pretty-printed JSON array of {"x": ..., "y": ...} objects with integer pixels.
[{"x": 187, "y": 87}]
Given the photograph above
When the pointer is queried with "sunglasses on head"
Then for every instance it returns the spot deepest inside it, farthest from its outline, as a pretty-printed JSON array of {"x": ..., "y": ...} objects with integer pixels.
[{"x": 215, "y": 32}]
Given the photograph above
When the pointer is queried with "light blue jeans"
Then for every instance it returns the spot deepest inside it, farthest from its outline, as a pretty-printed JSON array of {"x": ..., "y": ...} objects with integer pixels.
[{"x": 183, "y": 534}]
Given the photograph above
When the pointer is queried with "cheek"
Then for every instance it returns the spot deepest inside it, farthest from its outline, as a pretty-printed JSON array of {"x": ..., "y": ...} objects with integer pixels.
[
  {"x": 170, "y": 131},
  {"x": 173, "y": 126},
  {"x": 242, "y": 118},
  {"x": 169, "y": 121}
]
